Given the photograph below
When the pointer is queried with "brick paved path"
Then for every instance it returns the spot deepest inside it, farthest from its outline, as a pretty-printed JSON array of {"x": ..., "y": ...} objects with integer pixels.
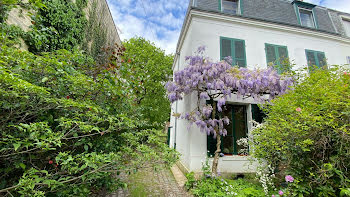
[{"x": 161, "y": 183}]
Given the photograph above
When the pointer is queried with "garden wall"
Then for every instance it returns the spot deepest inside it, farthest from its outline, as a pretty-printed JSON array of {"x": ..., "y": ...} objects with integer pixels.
[{"x": 104, "y": 19}]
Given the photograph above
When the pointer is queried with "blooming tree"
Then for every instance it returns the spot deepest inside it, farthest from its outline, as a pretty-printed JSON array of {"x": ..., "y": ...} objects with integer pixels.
[{"x": 216, "y": 82}]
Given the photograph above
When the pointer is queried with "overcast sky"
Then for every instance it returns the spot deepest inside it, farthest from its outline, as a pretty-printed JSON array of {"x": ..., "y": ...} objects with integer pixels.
[{"x": 161, "y": 20}]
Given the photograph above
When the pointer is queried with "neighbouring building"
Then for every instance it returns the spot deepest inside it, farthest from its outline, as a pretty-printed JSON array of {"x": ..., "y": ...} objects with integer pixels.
[{"x": 254, "y": 33}]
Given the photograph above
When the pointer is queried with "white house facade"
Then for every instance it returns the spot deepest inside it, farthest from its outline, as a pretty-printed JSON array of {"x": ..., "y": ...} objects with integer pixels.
[{"x": 254, "y": 33}]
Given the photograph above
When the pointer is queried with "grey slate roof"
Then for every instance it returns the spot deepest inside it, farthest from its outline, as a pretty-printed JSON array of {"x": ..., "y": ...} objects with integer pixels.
[{"x": 279, "y": 11}]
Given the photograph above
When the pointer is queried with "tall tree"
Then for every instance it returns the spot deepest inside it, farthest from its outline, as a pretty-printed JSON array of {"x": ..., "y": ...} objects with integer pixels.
[{"x": 146, "y": 69}]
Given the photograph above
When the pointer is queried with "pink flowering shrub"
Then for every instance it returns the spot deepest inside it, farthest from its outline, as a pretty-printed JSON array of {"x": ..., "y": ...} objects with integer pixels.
[{"x": 306, "y": 135}]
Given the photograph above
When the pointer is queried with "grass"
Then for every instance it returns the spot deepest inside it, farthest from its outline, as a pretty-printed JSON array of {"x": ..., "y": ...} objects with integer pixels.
[{"x": 143, "y": 183}]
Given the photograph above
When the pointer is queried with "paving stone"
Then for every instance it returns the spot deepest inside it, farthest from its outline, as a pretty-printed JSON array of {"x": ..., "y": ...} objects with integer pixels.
[{"x": 165, "y": 184}]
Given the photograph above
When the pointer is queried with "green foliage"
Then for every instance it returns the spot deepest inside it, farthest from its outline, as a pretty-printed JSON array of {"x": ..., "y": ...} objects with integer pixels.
[
  {"x": 65, "y": 129},
  {"x": 7, "y": 5},
  {"x": 146, "y": 69},
  {"x": 191, "y": 180},
  {"x": 11, "y": 34},
  {"x": 210, "y": 187},
  {"x": 306, "y": 134},
  {"x": 59, "y": 25}
]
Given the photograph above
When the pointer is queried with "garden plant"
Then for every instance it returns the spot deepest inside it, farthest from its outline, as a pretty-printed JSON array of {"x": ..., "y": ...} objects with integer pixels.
[
  {"x": 69, "y": 124},
  {"x": 215, "y": 82}
]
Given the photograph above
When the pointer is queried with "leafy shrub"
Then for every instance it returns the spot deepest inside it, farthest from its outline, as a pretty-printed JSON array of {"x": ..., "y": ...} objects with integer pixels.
[
  {"x": 306, "y": 134},
  {"x": 191, "y": 180},
  {"x": 65, "y": 130},
  {"x": 146, "y": 69},
  {"x": 58, "y": 25},
  {"x": 210, "y": 187}
]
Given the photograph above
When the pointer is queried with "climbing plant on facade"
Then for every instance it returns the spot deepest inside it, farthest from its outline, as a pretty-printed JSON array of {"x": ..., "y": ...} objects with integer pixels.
[{"x": 216, "y": 82}]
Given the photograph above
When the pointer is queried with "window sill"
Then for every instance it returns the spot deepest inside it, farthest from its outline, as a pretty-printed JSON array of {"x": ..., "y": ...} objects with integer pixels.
[{"x": 234, "y": 158}]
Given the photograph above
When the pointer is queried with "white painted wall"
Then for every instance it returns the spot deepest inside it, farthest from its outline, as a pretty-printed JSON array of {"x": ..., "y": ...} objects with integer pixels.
[{"x": 206, "y": 29}]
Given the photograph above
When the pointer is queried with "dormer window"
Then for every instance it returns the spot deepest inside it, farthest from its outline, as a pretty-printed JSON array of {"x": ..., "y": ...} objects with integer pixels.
[
  {"x": 230, "y": 6},
  {"x": 346, "y": 23},
  {"x": 306, "y": 18},
  {"x": 305, "y": 14}
]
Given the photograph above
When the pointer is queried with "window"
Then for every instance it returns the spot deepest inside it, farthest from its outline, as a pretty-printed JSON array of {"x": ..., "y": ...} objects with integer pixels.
[
  {"x": 348, "y": 59},
  {"x": 229, "y": 6},
  {"x": 315, "y": 58},
  {"x": 347, "y": 26},
  {"x": 305, "y": 14},
  {"x": 236, "y": 130},
  {"x": 306, "y": 18},
  {"x": 235, "y": 49},
  {"x": 278, "y": 56}
]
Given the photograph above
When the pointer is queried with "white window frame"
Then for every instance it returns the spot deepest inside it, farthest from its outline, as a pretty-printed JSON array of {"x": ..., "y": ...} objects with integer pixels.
[
  {"x": 238, "y": 7},
  {"x": 345, "y": 18},
  {"x": 312, "y": 15}
]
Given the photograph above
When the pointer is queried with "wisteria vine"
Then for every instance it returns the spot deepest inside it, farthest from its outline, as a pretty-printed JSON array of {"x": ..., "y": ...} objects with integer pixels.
[{"x": 219, "y": 81}]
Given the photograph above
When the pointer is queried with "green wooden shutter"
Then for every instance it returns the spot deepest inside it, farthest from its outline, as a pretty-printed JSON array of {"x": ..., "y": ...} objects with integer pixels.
[
  {"x": 225, "y": 48},
  {"x": 211, "y": 142},
  {"x": 311, "y": 59},
  {"x": 282, "y": 52},
  {"x": 315, "y": 58},
  {"x": 282, "y": 58},
  {"x": 321, "y": 59},
  {"x": 240, "y": 57},
  {"x": 270, "y": 54},
  {"x": 168, "y": 139}
]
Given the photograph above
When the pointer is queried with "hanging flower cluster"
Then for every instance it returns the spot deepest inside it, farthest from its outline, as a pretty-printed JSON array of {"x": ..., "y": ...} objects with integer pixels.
[{"x": 219, "y": 81}]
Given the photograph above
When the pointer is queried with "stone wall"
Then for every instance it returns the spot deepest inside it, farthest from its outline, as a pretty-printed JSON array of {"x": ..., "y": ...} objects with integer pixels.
[
  {"x": 105, "y": 19},
  {"x": 20, "y": 18}
]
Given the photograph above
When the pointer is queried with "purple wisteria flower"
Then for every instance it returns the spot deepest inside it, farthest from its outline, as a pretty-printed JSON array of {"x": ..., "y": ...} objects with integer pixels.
[
  {"x": 204, "y": 95},
  {"x": 220, "y": 80},
  {"x": 280, "y": 192},
  {"x": 289, "y": 178},
  {"x": 221, "y": 102}
]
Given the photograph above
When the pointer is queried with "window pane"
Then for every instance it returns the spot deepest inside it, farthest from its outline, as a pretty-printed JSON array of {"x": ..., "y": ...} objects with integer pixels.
[
  {"x": 347, "y": 27},
  {"x": 227, "y": 141},
  {"x": 230, "y": 6},
  {"x": 306, "y": 18},
  {"x": 240, "y": 124},
  {"x": 257, "y": 114},
  {"x": 239, "y": 49},
  {"x": 311, "y": 61},
  {"x": 240, "y": 63},
  {"x": 270, "y": 54},
  {"x": 283, "y": 54},
  {"x": 227, "y": 145},
  {"x": 322, "y": 59},
  {"x": 348, "y": 58},
  {"x": 211, "y": 145},
  {"x": 226, "y": 50}
]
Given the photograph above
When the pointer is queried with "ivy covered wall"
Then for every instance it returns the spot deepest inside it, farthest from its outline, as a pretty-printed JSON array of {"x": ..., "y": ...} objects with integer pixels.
[{"x": 65, "y": 24}]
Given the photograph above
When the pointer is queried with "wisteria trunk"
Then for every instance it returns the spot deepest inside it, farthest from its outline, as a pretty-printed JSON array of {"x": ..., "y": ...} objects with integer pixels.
[
  {"x": 214, "y": 169},
  {"x": 216, "y": 156}
]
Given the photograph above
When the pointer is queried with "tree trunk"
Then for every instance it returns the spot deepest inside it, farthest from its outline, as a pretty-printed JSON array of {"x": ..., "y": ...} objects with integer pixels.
[
  {"x": 216, "y": 156},
  {"x": 214, "y": 169}
]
